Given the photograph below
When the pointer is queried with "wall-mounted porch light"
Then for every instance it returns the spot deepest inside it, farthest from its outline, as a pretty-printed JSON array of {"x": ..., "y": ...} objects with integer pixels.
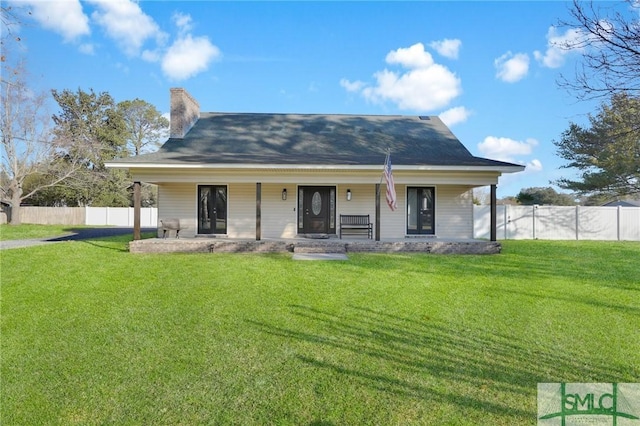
[
  {"x": 348, "y": 195},
  {"x": 284, "y": 194}
]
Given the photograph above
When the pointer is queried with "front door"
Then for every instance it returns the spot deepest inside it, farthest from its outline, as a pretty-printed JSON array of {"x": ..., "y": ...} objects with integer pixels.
[
  {"x": 316, "y": 210},
  {"x": 212, "y": 209},
  {"x": 421, "y": 208}
]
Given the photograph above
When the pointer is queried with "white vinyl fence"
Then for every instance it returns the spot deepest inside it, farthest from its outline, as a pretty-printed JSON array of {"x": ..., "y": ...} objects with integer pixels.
[
  {"x": 559, "y": 223},
  {"x": 121, "y": 216},
  {"x": 513, "y": 222}
]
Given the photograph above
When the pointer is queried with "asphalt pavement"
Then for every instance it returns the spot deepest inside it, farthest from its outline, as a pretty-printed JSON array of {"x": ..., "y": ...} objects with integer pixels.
[{"x": 75, "y": 235}]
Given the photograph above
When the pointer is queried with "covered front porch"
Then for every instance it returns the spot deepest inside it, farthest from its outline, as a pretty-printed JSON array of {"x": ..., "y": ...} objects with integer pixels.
[
  {"x": 314, "y": 245},
  {"x": 277, "y": 210}
]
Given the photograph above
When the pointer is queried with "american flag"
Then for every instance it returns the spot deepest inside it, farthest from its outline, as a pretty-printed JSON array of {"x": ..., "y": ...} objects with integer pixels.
[{"x": 391, "y": 187}]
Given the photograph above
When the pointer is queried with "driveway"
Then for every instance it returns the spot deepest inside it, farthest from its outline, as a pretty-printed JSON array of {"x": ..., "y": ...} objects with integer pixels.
[{"x": 74, "y": 235}]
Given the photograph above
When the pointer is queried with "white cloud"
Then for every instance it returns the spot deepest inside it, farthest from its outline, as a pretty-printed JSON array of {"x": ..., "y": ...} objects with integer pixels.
[
  {"x": 183, "y": 22},
  {"x": 505, "y": 149},
  {"x": 425, "y": 86},
  {"x": 151, "y": 55},
  {"x": 410, "y": 57},
  {"x": 64, "y": 17},
  {"x": 448, "y": 48},
  {"x": 127, "y": 24},
  {"x": 352, "y": 86},
  {"x": 188, "y": 56},
  {"x": 534, "y": 166},
  {"x": 512, "y": 68},
  {"x": 454, "y": 116},
  {"x": 556, "y": 52}
]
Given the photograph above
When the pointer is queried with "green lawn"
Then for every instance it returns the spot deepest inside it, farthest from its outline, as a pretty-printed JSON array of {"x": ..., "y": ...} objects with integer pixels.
[
  {"x": 29, "y": 231},
  {"x": 92, "y": 334}
]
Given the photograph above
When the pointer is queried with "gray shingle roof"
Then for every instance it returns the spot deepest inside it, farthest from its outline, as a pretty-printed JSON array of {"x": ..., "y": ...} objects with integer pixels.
[{"x": 234, "y": 138}]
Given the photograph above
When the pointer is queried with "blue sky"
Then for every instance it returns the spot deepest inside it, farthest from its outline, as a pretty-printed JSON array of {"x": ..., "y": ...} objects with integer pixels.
[{"x": 488, "y": 69}]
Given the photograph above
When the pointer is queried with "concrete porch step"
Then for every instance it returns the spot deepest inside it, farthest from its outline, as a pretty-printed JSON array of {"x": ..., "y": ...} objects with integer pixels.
[{"x": 312, "y": 247}]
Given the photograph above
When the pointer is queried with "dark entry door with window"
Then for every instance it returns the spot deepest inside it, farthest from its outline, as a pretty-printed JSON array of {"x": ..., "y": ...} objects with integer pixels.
[
  {"x": 317, "y": 210},
  {"x": 421, "y": 209},
  {"x": 212, "y": 209}
]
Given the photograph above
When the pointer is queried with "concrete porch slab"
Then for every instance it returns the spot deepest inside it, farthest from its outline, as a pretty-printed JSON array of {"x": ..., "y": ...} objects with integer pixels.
[
  {"x": 302, "y": 246},
  {"x": 319, "y": 256}
]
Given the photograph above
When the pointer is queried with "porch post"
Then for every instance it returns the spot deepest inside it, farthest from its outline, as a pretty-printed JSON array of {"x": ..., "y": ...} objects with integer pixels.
[
  {"x": 377, "y": 212},
  {"x": 493, "y": 214},
  {"x": 258, "y": 211},
  {"x": 136, "y": 210}
]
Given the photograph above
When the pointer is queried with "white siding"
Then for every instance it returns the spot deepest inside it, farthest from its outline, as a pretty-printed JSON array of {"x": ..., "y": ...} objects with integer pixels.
[
  {"x": 241, "y": 213},
  {"x": 178, "y": 201},
  {"x": 393, "y": 223},
  {"x": 363, "y": 201},
  {"x": 279, "y": 217},
  {"x": 454, "y": 211},
  {"x": 453, "y": 217}
]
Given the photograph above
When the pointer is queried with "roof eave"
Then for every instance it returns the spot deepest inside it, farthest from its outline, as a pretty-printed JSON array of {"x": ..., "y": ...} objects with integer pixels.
[{"x": 361, "y": 167}]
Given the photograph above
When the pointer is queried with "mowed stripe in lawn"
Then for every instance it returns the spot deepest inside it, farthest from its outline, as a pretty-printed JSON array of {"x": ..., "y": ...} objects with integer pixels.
[{"x": 93, "y": 334}]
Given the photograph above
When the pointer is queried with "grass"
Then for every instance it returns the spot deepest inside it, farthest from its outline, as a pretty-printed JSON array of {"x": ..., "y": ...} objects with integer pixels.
[
  {"x": 92, "y": 334},
  {"x": 29, "y": 231}
]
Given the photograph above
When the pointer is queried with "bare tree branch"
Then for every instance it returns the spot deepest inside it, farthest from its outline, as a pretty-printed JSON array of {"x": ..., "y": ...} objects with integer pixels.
[{"x": 608, "y": 36}]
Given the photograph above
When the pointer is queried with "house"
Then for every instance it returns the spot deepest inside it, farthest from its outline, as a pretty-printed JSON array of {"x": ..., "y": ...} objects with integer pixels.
[
  {"x": 623, "y": 203},
  {"x": 241, "y": 175}
]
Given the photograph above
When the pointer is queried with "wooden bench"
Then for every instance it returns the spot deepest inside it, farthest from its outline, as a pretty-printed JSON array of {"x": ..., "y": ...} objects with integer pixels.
[
  {"x": 170, "y": 225},
  {"x": 354, "y": 224}
]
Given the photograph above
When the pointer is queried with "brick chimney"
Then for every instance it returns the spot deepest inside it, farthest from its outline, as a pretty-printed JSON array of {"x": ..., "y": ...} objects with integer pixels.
[{"x": 185, "y": 111}]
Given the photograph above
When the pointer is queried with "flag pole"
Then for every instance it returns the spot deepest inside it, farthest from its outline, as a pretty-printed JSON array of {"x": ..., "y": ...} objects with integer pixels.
[
  {"x": 378, "y": 186},
  {"x": 386, "y": 160}
]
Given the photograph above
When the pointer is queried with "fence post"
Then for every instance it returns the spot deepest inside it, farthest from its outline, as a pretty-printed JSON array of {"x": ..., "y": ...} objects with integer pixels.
[
  {"x": 506, "y": 221},
  {"x": 492, "y": 232},
  {"x": 577, "y": 222},
  {"x": 137, "y": 202},
  {"x": 533, "y": 214},
  {"x": 618, "y": 219},
  {"x": 258, "y": 211}
]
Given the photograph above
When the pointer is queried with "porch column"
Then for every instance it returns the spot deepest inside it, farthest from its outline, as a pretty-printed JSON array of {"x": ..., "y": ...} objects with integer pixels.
[
  {"x": 493, "y": 214},
  {"x": 377, "y": 212},
  {"x": 258, "y": 211},
  {"x": 136, "y": 210}
]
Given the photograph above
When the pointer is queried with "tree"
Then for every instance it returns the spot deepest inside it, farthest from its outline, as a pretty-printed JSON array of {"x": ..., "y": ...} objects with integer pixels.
[
  {"x": 8, "y": 20},
  {"x": 509, "y": 200},
  {"x": 608, "y": 152},
  {"x": 30, "y": 155},
  {"x": 481, "y": 196},
  {"x": 95, "y": 132},
  {"x": 608, "y": 36},
  {"x": 93, "y": 122},
  {"x": 544, "y": 196},
  {"x": 28, "y": 148},
  {"x": 145, "y": 129},
  {"x": 145, "y": 126}
]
